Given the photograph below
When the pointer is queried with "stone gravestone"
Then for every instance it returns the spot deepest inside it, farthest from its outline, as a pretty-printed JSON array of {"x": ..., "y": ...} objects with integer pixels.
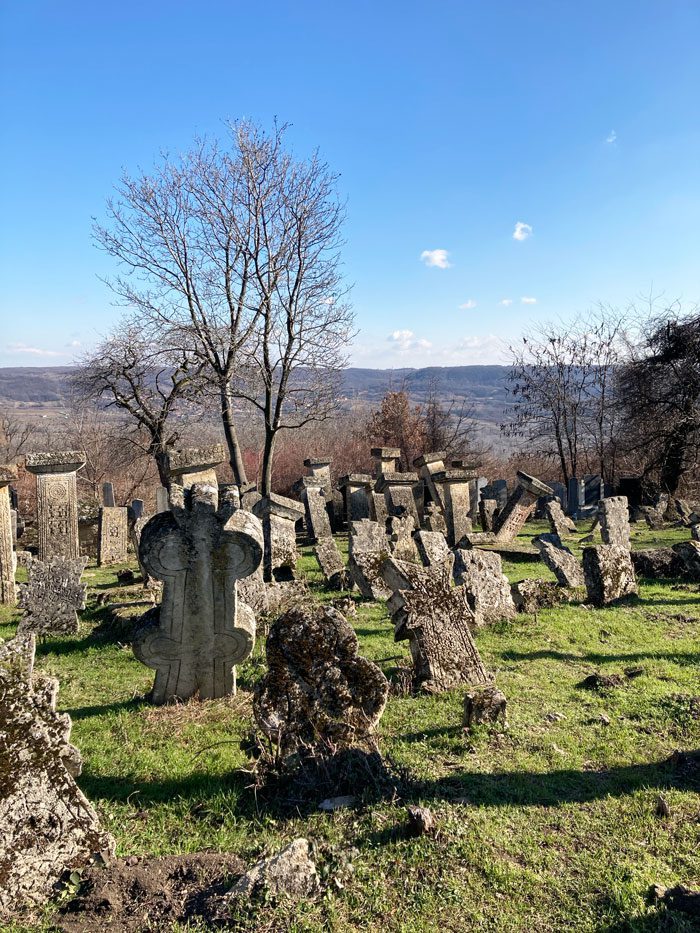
[
  {"x": 398, "y": 492},
  {"x": 318, "y": 692},
  {"x": 368, "y": 548},
  {"x": 279, "y": 516},
  {"x": 8, "y": 590},
  {"x": 320, "y": 470},
  {"x": 137, "y": 507},
  {"x": 434, "y": 519},
  {"x": 609, "y": 573},
  {"x": 435, "y": 618},
  {"x": 560, "y": 560},
  {"x": 162, "y": 500},
  {"x": 433, "y": 549},
  {"x": 559, "y": 523},
  {"x": 57, "y": 501},
  {"x": 594, "y": 489},
  {"x": 400, "y": 529},
  {"x": 113, "y": 536},
  {"x": 331, "y": 563},
  {"x": 199, "y": 550},
  {"x": 356, "y": 493},
  {"x": 488, "y": 511},
  {"x": 519, "y": 507},
  {"x": 385, "y": 460},
  {"x": 108, "y": 495},
  {"x": 190, "y": 465},
  {"x": 576, "y": 495},
  {"x": 52, "y": 597},
  {"x": 559, "y": 490},
  {"x": 488, "y": 590},
  {"x": 46, "y": 824},
  {"x": 318, "y": 523},
  {"x": 429, "y": 464},
  {"x": 614, "y": 521},
  {"x": 454, "y": 491},
  {"x": 498, "y": 490}
]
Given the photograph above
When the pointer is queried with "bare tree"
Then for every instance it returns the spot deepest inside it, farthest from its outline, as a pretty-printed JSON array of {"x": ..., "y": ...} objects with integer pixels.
[
  {"x": 146, "y": 382},
  {"x": 15, "y": 436}
]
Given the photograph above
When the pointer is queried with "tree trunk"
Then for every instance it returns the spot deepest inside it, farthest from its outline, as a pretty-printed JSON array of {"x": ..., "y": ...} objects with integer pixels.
[
  {"x": 270, "y": 437},
  {"x": 234, "y": 448},
  {"x": 160, "y": 457}
]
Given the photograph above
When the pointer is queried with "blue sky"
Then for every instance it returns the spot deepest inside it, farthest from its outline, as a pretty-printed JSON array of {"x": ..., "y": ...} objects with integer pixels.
[{"x": 449, "y": 123}]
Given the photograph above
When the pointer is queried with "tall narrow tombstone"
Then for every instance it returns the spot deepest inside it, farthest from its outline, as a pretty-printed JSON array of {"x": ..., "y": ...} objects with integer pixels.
[
  {"x": 331, "y": 563},
  {"x": 162, "y": 500},
  {"x": 137, "y": 507},
  {"x": 559, "y": 560},
  {"x": 488, "y": 510},
  {"x": 519, "y": 507},
  {"x": 113, "y": 536},
  {"x": 559, "y": 490},
  {"x": 57, "y": 501},
  {"x": 385, "y": 460},
  {"x": 279, "y": 516},
  {"x": 318, "y": 524},
  {"x": 476, "y": 486},
  {"x": 594, "y": 489},
  {"x": 559, "y": 523},
  {"x": 614, "y": 521},
  {"x": 454, "y": 485},
  {"x": 368, "y": 548},
  {"x": 398, "y": 493},
  {"x": 8, "y": 590},
  {"x": 380, "y": 512},
  {"x": 576, "y": 495},
  {"x": 428, "y": 465},
  {"x": 356, "y": 489},
  {"x": 320, "y": 469},
  {"x": 199, "y": 549},
  {"x": 108, "y": 495}
]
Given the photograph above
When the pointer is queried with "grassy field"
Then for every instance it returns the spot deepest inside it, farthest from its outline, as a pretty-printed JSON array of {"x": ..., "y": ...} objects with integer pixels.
[{"x": 548, "y": 825}]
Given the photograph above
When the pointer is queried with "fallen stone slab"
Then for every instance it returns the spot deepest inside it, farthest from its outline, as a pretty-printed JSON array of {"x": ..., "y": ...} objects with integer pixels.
[
  {"x": 488, "y": 589},
  {"x": 608, "y": 573}
]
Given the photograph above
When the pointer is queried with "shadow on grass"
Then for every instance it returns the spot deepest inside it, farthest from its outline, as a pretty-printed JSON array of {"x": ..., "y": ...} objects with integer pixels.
[
  {"x": 678, "y": 657},
  {"x": 87, "y": 712},
  {"x": 105, "y": 631}
]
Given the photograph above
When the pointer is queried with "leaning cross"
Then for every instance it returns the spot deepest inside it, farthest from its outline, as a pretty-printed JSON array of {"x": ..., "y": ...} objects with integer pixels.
[{"x": 199, "y": 550}]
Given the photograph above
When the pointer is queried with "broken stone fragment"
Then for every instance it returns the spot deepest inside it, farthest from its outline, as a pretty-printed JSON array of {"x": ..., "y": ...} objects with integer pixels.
[
  {"x": 488, "y": 591},
  {"x": 559, "y": 560},
  {"x": 609, "y": 574},
  {"x": 420, "y": 821},
  {"x": 292, "y": 872},
  {"x": 484, "y": 705}
]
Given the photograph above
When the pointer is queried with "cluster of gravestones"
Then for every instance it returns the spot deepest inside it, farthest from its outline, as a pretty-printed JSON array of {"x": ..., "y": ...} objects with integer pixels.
[{"x": 221, "y": 554}]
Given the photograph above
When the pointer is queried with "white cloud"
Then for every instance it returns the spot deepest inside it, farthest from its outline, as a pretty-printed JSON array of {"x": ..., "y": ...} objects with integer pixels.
[
  {"x": 468, "y": 305},
  {"x": 32, "y": 351},
  {"x": 436, "y": 258},
  {"x": 404, "y": 341},
  {"x": 611, "y": 137},
  {"x": 506, "y": 302},
  {"x": 528, "y": 300},
  {"x": 74, "y": 343},
  {"x": 522, "y": 231}
]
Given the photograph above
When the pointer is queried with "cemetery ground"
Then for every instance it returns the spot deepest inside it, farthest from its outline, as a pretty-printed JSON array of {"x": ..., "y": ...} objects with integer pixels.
[{"x": 556, "y": 822}]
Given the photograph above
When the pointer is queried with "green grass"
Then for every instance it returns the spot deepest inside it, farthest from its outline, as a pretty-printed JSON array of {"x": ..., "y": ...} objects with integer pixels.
[{"x": 548, "y": 825}]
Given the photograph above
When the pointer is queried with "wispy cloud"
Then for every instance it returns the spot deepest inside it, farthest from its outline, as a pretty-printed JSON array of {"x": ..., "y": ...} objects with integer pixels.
[
  {"x": 506, "y": 302},
  {"x": 73, "y": 344},
  {"x": 468, "y": 305},
  {"x": 403, "y": 341},
  {"x": 611, "y": 137},
  {"x": 31, "y": 351},
  {"x": 522, "y": 231},
  {"x": 528, "y": 300},
  {"x": 436, "y": 257}
]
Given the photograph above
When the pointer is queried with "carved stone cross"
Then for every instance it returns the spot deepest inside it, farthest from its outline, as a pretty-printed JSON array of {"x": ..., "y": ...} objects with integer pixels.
[{"x": 199, "y": 550}]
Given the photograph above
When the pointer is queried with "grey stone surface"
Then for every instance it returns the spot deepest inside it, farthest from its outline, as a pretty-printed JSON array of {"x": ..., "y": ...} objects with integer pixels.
[
  {"x": 318, "y": 523},
  {"x": 614, "y": 521},
  {"x": 519, "y": 507},
  {"x": 113, "y": 536},
  {"x": 356, "y": 488},
  {"x": 398, "y": 493},
  {"x": 379, "y": 510},
  {"x": 657, "y": 563},
  {"x": 108, "y": 495},
  {"x": 8, "y": 590},
  {"x": 53, "y": 596},
  {"x": 279, "y": 516},
  {"x": 488, "y": 591},
  {"x": 688, "y": 553},
  {"x": 400, "y": 529},
  {"x": 318, "y": 692},
  {"x": 608, "y": 573},
  {"x": 428, "y": 465},
  {"x": 435, "y": 617},
  {"x": 559, "y": 523},
  {"x": 434, "y": 519},
  {"x": 488, "y": 512},
  {"x": 190, "y": 465},
  {"x": 532, "y": 595},
  {"x": 199, "y": 549},
  {"x": 162, "y": 500},
  {"x": 454, "y": 492},
  {"x": 386, "y": 460},
  {"x": 331, "y": 563},
  {"x": 560, "y": 560},
  {"x": 57, "y": 501},
  {"x": 46, "y": 824},
  {"x": 292, "y": 873},
  {"x": 368, "y": 548},
  {"x": 433, "y": 549}
]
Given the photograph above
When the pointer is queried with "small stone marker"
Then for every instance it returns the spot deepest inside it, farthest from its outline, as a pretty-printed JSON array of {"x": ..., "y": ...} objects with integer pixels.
[
  {"x": 199, "y": 550},
  {"x": 560, "y": 560},
  {"x": 108, "y": 495},
  {"x": 609, "y": 573},
  {"x": 162, "y": 500},
  {"x": 435, "y": 617},
  {"x": 519, "y": 507},
  {"x": 368, "y": 548},
  {"x": 614, "y": 521},
  {"x": 331, "y": 564},
  {"x": 46, "y": 824},
  {"x": 137, "y": 507},
  {"x": 291, "y": 873},
  {"x": 57, "y": 501},
  {"x": 433, "y": 549},
  {"x": 279, "y": 516},
  {"x": 356, "y": 489},
  {"x": 52, "y": 597},
  {"x": 8, "y": 590},
  {"x": 113, "y": 536},
  {"x": 454, "y": 492},
  {"x": 318, "y": 691},
  {"x": 488, "y": 590},
  {"x": 488, "y": 510},
  {"x": 559, "y": 523},
  {"x": 484, "y": 705}
]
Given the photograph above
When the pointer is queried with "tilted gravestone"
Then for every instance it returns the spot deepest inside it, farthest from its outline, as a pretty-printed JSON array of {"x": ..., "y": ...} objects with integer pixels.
[
  {"x": 368, "y": 548},
  {"x": 454, "y": 491},
  {"x": 400, "y": 529},
  {"x": 279, "y": 516},
  {"x": 52, "y": 597},
  {"x": 46, "y": 824},
  {"x": 318, "y": 523},
  {"x": 609, "y": 574},
  {"x": 488, "y": 590},
  {"x": 113, "y": 536},
  {"x": 559, "y": 523},
  {"x": 434, "y": 519},
  {"x": 318, "y": 692},
  {"x": 435, "y": 617},
  {"x": 57, "y": 501},
  {"x": 519, "y": 507},
  {"x": 429, "y": 464},
  {"x": 331, "y": 563},
  {"x": 560, "y": 560},
  {"x": 8, "y": 590},
  {"x": 199, "y": 550},
  {"x": 614, "y": 521},
  {"x": 433, "y": 548}
]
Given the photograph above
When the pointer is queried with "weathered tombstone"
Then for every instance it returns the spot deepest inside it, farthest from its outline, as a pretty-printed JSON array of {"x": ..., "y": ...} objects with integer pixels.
[
  {"x": 454, "y": 486},
  {"x": 320, "y": 471},
  {"x": 385, "y": 460},
  {"x": 46, "y": 824},
  {"x": 199, "y": 550},
  {"x": 429, "y": 464},
  {"x": 609, "y": 573},
  {"x": 249, "y": 496},
  {"x": 434, "y": 519},
  {"x": 379, "y": 512},
  {"x": 398, "y": 492},
  {"x": 113, "y": 536},
  {"x": 311, "y": 493},
  {"x": 368, "y": 548},
  {"x": 519, "y": 507},
  {"x": 57, "y": 501},
  {"x": 401, "y": 544},
  {"x": 476, "y": 487},
  {"x": 318, "y": 692},
  {"x": 488, "y": 511},
  {"x": 190, "y": 465},
  {"x": 654, "y": 514},
  {"x": 614, "y": 521},
  {"x": 435, "y": 617},
  {"x": 331, "y": 563},
  {"x": 559, "y": 490},
  {"x": 576, "y": 495},
  {"x": 487, "y": 588},
  {"x": 162, "y": 500},
  {"x": 279, "y": 516},
  {"x": 52, "y": 597},
  {"x": 688, "y": 554},
  {"x": 433, "y": 549},
  {"x": 108, "y": 495},
  {"x": 356, "y": 493},
  {"x": 559, "y": 523},
  {"x": 594, "y": 489},
  {"x": 560, "y": 560},
  {"x": 8, "y": 590},
  {"x": 137, "y": 508}
]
